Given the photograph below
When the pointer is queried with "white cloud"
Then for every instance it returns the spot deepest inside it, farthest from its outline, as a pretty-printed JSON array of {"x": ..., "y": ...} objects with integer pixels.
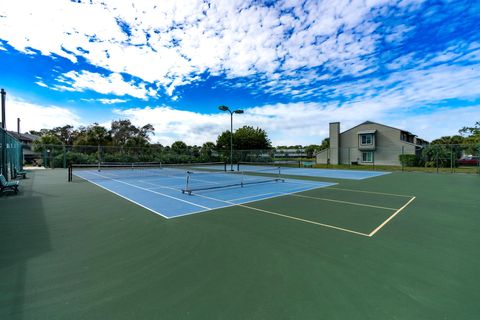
[
  {"x": 112, "y": 84},
  {"x": 169, "y": 42},
  {"x": 35, "y": 117},
  {"x": 106, "y": 101},
  {"x": 112, "y": 101},
  {"x": 41, "y": 84},
  {"x": 286, "y": 124},
  {"x": 296, "y": 123}
]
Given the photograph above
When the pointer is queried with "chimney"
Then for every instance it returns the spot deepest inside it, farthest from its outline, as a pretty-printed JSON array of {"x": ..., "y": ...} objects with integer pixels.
[
  {"x": 334, "y": 142},
  {"x": 18, "y": 125}
]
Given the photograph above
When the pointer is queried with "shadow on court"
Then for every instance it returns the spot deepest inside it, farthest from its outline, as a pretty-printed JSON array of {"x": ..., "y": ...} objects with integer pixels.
[{"x": 23, "y": 236}]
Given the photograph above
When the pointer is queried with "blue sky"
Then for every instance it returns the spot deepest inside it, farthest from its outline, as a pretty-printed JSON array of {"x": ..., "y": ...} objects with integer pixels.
[{"x": 293, "y": 66}]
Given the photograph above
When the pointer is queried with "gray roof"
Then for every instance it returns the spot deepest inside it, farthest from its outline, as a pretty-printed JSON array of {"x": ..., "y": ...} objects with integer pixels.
[
  {"x": 379, "y": 124},
  {"x": 24, "y": 136}
]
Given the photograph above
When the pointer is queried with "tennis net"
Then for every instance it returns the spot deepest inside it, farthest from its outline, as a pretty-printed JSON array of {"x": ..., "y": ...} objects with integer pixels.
[
  {"x": 199, "y": 181},
  {"x": 284, "y": 164},
  {"x": 125, "y": 170}
]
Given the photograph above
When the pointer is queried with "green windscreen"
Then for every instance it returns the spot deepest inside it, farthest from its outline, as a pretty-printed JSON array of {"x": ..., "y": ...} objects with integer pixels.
[{"x": 11, "y": 154}]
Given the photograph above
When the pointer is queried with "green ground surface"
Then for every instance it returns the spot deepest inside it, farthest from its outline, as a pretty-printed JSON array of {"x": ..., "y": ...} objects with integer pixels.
[{"x": 75, "y": 251}]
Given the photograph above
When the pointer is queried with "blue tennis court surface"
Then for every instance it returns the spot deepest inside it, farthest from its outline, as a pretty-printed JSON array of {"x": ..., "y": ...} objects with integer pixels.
[
  {"x": 160, "y": 190},
  {"x": 321, "y": 173}
]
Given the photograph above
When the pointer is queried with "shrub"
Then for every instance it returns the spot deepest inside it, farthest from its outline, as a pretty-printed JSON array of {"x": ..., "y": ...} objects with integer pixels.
[{"x": 410, "y": 160}]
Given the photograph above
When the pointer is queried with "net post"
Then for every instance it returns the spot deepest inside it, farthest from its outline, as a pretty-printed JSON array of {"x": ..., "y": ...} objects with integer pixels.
[
  {"x": 69, "y": 178},
  {"x": 187, "y": 184}
]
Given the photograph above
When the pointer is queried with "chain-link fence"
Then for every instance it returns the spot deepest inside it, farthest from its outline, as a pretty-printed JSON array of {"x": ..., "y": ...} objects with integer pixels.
[
  {"x": 11, "y": 155},
  {"x": 431, "y": 158},
  {"x": 59, "y": 156}
]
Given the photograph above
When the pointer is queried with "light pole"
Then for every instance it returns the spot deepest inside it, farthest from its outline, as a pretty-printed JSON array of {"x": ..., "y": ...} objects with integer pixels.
[{"x": 239, "y": 111}]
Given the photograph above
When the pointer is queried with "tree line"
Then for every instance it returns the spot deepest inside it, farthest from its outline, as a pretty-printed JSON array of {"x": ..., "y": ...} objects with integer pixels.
[
  {"x": 446, "y": 150},
  {"x": 125, "y": 142}
]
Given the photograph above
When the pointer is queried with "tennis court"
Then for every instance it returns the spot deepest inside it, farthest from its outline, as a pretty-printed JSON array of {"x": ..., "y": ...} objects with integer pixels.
[
  {"x": 394, "y": 246},
  {"x": 162, "y": 189},
  {"x": 320, "y": 173}
]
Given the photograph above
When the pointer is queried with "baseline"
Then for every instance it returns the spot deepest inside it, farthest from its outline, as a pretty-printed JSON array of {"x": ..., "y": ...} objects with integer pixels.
[
  {"x": 371, "y": 234},
  {"x": 286, "y": 216}
]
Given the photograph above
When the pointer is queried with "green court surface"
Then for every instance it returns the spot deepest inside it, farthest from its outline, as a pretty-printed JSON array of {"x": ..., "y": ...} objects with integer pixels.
[{"x": 398, "y": 246}]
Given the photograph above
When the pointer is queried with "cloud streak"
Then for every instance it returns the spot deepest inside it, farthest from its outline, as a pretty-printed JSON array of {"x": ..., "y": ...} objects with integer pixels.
[
  {"x": 35, "y": 117},
  {"x": 287, "y": 124},
  {"x": 171, "y": 43},
  {"x": 297, "y": 64}
]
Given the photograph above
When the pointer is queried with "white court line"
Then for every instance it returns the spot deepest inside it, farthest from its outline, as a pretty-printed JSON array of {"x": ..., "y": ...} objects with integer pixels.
[
  {"x": 157, "y": 186},
  {"x": 254, "y": 196},
  {"x": 229, "y": 204},
  {"x": 162, "y": 194},
  {"x": 372, "y": 192},
  {"x": 344, "y": 202},
  {"x": 391, "y": 217},
  {"x": 123, "y": 197}
]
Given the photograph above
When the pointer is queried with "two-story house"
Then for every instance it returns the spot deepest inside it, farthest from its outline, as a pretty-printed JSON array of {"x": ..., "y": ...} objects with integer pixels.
[{"x": 369, "y": 143}]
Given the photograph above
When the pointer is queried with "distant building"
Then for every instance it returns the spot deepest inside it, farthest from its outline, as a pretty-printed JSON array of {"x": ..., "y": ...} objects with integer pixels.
[
  {"x": 369, "y": 143},
  {"x": 290, "y": 153},
  {"x": 27, "y": 141}
]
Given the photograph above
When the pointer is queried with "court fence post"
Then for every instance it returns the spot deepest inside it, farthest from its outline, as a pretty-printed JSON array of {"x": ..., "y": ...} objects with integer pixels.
[
  {"x": 403, "y": 159},
  {"x": 478, "y": 162},
  {"x": 373, "y": 160},
  {"x": 349, "y": 159},
  {"x": 451, "y": 158}
]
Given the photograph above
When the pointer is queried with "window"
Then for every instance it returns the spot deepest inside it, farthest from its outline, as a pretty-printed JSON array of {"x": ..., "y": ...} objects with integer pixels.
[
  {"x": 367, "y": 156},
  {"x": 366, "y": 139}
]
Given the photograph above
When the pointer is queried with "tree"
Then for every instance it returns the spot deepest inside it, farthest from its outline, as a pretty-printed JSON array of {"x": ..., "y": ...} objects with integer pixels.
[
  {"x": 223, "y": 141},
  {"x": 66, "y": 134},
  {"x": 124, "y": 133},
  {"x": 325, "y": 144},
  {"x": 93, "y": 135},
  {"x": 179, "y": 147},
  {"x": 449, "y": 140},
  {"x": 206, "y": 151},
  {"x": 46, "y": 142},
  {"x": 245, "y": 138},
  {"x": 311, "y": 150},
  {"x": 472, "y": 134}
]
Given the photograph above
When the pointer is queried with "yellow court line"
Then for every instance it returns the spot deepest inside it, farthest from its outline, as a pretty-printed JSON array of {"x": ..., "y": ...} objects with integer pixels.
[
  {"x": 372, "y": 192},
  {"x": 391, "y": 217},
  {"x": 285, "y": 216},
  {"x": 345, "y": 202},
  {"x": 304, "y": 220}
]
